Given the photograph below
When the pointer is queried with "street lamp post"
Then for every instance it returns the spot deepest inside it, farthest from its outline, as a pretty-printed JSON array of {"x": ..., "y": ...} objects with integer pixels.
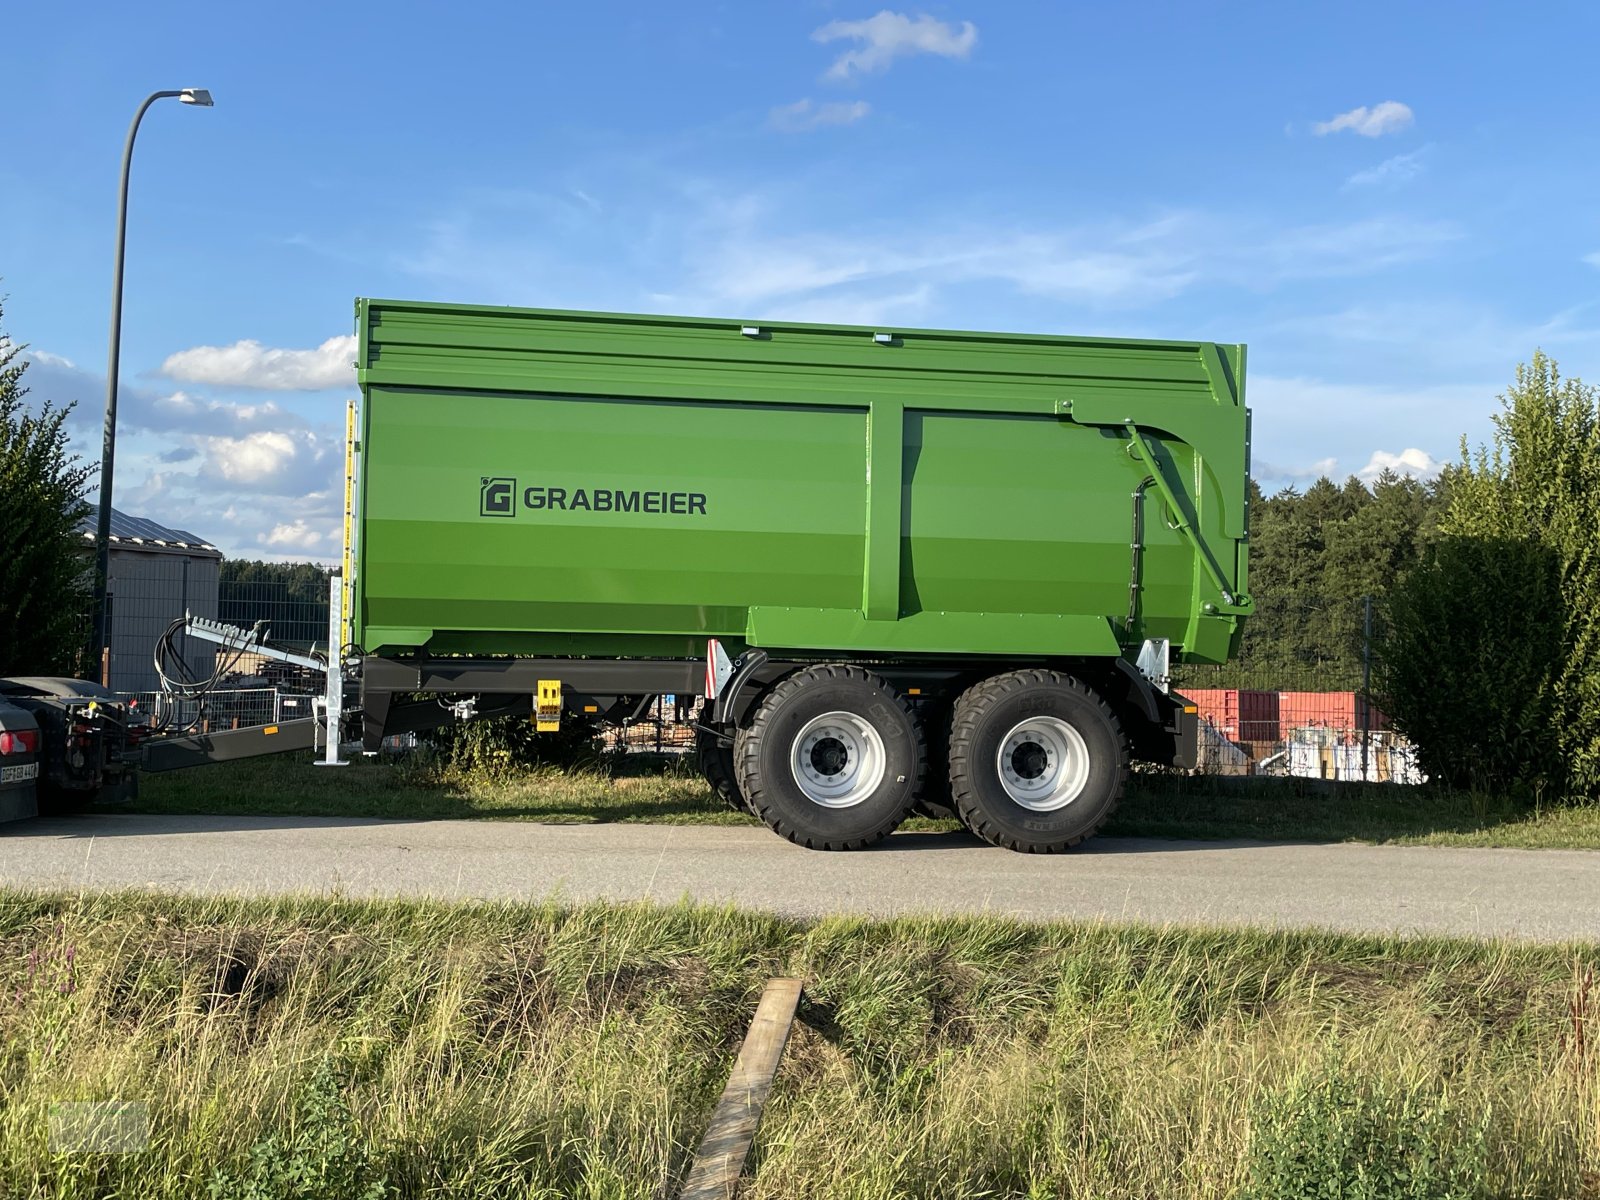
[{"x": 108, "y": 449}]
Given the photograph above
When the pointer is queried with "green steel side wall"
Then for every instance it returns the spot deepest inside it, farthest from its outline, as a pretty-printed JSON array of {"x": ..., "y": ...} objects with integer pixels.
[{"x": 948, "y": 493}]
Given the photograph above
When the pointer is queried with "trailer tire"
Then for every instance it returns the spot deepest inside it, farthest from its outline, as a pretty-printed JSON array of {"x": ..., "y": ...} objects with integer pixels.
[
  {"x": 853, "y": 741},
  {"x": 1037, "y": 761},
  {"x": 716, "y": 764}
]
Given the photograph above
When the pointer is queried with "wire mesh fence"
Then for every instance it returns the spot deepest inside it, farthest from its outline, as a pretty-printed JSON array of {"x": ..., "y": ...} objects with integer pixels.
[
  {"x": 295, "y": 612},
  {"x": 1297, "y": 698},
  {"x": 222, "y": 708},
  {"x": 147, "y": 593},
  {"x": 666, "y": 727}
]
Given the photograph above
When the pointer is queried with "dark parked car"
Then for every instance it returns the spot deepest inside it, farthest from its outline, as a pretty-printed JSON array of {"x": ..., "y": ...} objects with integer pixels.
[
  {"x": 86, "y": 741},
  {"x": 19, "y": 762}
]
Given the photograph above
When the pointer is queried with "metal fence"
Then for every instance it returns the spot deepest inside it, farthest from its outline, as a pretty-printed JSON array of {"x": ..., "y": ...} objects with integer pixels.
[
  {"x": 666, "y": 728},
  {"x": 1297, "y": 698},
  {"x": 295, "y": 614},
  {"x": 223, "y": 708},
  {"x": 144, "y": 602}
]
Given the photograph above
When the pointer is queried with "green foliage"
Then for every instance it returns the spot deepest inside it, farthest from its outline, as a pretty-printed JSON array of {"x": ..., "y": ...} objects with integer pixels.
[
  {"x": 1314, "y": 556},
  {"x": 320, "y": 1152},
  {"x": 1336, "y": 1136},
  {"x": 44, "y": 581},
  {"x": 1523, "y": 520},
  {"x": 1473, "y": 642},
  {"x": 497, "y": 746}
]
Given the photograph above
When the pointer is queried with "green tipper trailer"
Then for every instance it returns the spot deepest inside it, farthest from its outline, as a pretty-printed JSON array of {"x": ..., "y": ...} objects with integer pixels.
[{"x": 901, "y": 566}]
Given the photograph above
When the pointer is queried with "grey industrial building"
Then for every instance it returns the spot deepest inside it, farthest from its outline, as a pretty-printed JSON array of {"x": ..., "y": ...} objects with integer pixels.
[{"x": 157, "y": 574}]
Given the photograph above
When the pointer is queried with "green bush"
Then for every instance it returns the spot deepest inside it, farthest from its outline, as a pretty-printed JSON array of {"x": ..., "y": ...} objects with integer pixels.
[
  {"x": 319, "y": 1152},
  {"x": 1469, "y": 662},
  {"x": 1333, "y": 1136},
  {"x": 1493, "y": 666},
  {"x": 497, "y": 745}
]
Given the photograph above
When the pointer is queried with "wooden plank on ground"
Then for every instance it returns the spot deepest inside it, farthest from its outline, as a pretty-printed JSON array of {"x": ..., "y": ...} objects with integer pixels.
[{"x": 720, "y": 1162}]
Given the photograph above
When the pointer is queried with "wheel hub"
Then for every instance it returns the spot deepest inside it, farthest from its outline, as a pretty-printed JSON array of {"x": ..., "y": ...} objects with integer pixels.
[
  {"x": 829, "y": 756},
  {"x": 1043, "y": 763},
  {"x": 1030, "y": 760},
  {"x": 838, "y": 759}
]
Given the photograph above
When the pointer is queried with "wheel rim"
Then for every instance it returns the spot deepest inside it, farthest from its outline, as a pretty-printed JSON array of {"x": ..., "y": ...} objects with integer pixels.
[
  {"x": 1043, "y": 764},
  {"x": 837, "y": 759}
]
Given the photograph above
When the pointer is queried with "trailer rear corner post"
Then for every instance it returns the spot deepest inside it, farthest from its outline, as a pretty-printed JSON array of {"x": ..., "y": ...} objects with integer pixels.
[{"x": 333, "y": 698}]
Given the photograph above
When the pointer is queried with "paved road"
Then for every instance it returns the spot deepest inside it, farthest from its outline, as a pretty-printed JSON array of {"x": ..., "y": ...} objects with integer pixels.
[{"x": 1545, "y": 894}]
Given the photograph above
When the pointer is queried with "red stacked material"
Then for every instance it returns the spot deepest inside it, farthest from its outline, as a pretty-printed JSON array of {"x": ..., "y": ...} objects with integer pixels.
[
  {"x": 1239, "y": 714},
  {"x": 1248, "y": 715},
  {"x": 1341, "y": 711}
]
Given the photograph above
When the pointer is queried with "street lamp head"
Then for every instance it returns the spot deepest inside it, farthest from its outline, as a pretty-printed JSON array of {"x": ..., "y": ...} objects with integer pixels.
[{"x": 198, "y": 96}]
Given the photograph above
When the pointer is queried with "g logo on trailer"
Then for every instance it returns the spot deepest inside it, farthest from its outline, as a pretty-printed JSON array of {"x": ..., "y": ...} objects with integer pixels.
[{"x": 498, "y": 497}]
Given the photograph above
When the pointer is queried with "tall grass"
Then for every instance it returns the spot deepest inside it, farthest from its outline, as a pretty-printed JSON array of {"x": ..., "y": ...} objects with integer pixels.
[{"x": 313, "y": 1047}]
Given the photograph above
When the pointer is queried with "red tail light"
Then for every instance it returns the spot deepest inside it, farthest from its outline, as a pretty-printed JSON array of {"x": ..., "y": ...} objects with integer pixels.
[{"x": 20, "y": 741}]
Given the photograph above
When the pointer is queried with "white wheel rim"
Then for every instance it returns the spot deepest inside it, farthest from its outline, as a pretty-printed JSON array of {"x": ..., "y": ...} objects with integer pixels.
[
  {"x": 1043, "y": 764},
  {"x": 837, "y": 759}
]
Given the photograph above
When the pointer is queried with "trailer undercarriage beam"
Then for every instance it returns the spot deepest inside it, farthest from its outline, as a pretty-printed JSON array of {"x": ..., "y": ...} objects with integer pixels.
[{"x": 196, "y": 750}]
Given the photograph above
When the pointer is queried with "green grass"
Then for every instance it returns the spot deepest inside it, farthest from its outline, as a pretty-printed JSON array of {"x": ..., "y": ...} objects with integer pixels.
[
  {"x": 310, "y": 1047},
  {"x": 642, "y": 789},
  {"x": 1282, "y": 809}
]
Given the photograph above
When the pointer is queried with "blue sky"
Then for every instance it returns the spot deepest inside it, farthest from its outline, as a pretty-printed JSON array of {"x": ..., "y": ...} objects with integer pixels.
[{"x": 1392, "y": 205}]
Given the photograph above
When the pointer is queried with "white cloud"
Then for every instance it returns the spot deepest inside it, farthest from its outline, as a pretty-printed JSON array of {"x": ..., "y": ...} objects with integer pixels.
[
  {"x": 249, "y": 364},
  {"x": 1389, "y": 117},
  {"x": 183, "y": 413},
  {"x": 297, "y": 536},
  {"x": 253, "y": 459},
  {"x": 1337, "y": 251},
  {"x": 1417, "y": 463},
  {"x": 1592, "y": 259},
  {"x": 1391, "y": 172},
  {"x": 803, "y": 115},
  {"x": 230, "y": 472},
  {"x": 741, "y": 257},
  {"x": 745, "y": 266},
  {"x": 270, "y": 462},
  {"x": 45, "y": 358},
  {"x": 1278, "y": 474},
  {"x": 1441, "y": 338},
  {"x": 1300, "y": 419},
  {"x": 892, "y": 35}
]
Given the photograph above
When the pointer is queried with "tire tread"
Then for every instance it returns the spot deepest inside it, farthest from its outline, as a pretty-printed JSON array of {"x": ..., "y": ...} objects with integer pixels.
[
  {"x": 971, "y": 705},
  {"x": 747, "y": 748}
]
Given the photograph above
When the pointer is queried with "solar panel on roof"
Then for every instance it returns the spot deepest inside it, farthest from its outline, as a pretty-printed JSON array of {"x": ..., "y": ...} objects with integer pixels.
[{"x": 126, "y": 528}]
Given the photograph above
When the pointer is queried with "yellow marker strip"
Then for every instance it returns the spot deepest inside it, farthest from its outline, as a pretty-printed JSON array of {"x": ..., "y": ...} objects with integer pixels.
[
  {"x": 269, "y": 729},
  {"x": 1191, "y": 708},
  {"x": 591, "y": 708},
  {"x": 913, "y": 691}
]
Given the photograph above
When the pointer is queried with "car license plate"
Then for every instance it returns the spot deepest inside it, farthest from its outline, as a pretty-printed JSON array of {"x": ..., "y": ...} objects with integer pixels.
[{"x": 18, "y": 773}]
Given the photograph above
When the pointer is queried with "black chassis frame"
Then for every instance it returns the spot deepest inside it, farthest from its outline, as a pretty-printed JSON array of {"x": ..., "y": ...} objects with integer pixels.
[{"x": 401, "y": 695}]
